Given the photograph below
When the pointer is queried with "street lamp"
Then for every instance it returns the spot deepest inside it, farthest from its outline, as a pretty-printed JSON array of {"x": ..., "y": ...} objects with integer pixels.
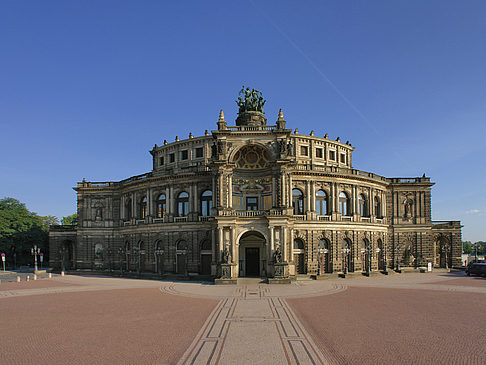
[
  {"x": 346, "y": 252},
  {"x": 120, "y": 256},
  {"x": 385, "y": 271},
  {"x": 158, "y": 254},
  {"x": 109, "y": 251},
  {"x": 34, "y": 251},
  {"x": 320, "y": 252},
  {"x": 397, "y": 253}
]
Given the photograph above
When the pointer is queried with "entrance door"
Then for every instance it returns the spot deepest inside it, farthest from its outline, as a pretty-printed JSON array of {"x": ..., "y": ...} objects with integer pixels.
[
  {"x": 252, "y": 258},
  {"x": 299, "y": 263},
  {"x": 181, "y": 264},
  {"x": 205, "y": 264}
]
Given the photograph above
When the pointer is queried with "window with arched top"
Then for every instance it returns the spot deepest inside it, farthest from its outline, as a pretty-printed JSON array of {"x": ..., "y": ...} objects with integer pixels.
[
  {"x": 143, "y": 207},
  {"x": 323, "y": 244},
  {"x": 378, "y": 212},
  {"x": 181, "y": 245},
  {"x": 183, "y": 204},
  {"x": 321, "y": 202},
  {"x": 298, "y": 244},
  {"x": 206, "y": 245},
  {"x": 128, "y": 209},
  {"x": 206, "y": 202},
  {"x": 362, "y": 206},
  {"x": 344, "y": 203},
  {"x": 298, "y": 202},
  {"x": 161, "y": 205}
]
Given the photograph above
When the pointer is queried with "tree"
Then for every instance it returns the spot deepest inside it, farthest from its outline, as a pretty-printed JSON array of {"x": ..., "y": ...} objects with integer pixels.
[
  {"x": 70, "y": 220},
  {"x": 20, "y": 230},
  {"x": 48, "y": 221},
  {"x": 467, "y": 247}
]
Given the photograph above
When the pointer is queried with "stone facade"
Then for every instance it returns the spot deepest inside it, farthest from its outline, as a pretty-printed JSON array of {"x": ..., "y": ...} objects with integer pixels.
[{"x": 241, "y": 199}]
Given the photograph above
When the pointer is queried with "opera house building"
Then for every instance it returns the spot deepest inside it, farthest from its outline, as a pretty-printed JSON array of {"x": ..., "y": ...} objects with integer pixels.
[{"x": 255, "y": 200}]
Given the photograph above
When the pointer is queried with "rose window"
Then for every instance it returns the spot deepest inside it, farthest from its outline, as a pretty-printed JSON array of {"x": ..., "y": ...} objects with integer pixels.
[{"x": 252, "y": 157}]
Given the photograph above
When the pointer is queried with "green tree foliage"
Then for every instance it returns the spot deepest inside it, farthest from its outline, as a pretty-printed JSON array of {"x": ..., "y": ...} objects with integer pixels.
[
  {"x": 48, "y": 221},
  {"x": 70, "y": 220},
  {"x": 20, "y": 230},
  {"x": 467, "y": 247}
]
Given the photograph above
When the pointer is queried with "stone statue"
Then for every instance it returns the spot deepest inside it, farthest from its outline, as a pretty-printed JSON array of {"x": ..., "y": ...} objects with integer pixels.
[
  {"x": 226, "y": 256},
  {"x": 250, "y": 100},
  {"x": 277, "y": 256}
]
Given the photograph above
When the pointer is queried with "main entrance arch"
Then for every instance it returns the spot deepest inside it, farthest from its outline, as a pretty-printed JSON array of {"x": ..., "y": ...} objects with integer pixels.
[{"x": 252, "y": 258}]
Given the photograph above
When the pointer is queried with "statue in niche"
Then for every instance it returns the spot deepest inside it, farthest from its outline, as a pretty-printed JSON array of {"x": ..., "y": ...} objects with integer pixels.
[
  {"x": 407, "y": 208},
  {"x": 289, "y": 148},
  {"x": 277, "y": 256},
  {"x": 226, "y": 256},
  {"x": 98, "y": 214}
]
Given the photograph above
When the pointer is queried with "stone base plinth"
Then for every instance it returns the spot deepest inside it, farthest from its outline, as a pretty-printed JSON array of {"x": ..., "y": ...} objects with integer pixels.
[
  {"x": 281, "y": 270},
  {"x": 225, "y": 281},
  {"x": 279, "y": 281}
]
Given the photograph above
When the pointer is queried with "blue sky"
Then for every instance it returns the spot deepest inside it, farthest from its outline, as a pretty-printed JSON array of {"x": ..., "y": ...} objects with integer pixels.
[{"x": 88, "y": 87}]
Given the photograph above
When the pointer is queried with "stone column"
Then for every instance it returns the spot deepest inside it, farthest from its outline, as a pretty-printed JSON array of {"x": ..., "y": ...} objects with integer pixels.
[
  {"x": 213, "y": 245},
  {"x": 122, "y": 208},
  {"x": 220, "y": 242},
  {"x": 291, "y": 244},
  {"x": 215, "y": 193},
  {"x": 307, "y": 207},
  {"x": 134, "y": 205},
  {"x": 170, "y": 203},
  {"x": 230, "y": 191}
]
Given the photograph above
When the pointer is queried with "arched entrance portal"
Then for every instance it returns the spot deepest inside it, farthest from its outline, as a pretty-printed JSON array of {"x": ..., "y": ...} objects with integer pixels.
[{"x": 252, "y": 258}]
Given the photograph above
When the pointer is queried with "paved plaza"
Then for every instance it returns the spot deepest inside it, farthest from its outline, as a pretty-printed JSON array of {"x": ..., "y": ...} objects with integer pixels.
[{"x": 435, "y": 318}]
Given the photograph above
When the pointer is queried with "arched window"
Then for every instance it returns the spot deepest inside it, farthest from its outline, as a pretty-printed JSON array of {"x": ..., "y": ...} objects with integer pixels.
[
  {"x": 181, "y": 245},
  {"x": 206, "y": 202},
  {"x": 378, "y": 212},
  {"x": 363, "y": 205},
  {"x": 298, "y": 244},
  {"x": 128, "y": 209},
  {"x": 206, "y": 245},
  {"x": 143, "y": 207},
  {"x": 343, "y": 203},
  {"x": 161, "y": 205},
  {"x": 321, "y": 202},
  {"x": 298, "y": 202},
  {"x": 183, "y": 204}
]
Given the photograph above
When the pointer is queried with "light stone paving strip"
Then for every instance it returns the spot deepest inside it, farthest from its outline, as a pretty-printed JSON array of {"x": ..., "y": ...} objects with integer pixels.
[{"x": 252, "y": 327}]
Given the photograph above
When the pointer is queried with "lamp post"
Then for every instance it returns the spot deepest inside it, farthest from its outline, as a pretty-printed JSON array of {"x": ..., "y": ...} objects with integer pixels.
[
  {"x": 34, "y": 251},
  {"x": 120, "y": 256},
  {"x": 320, "y": 251},
  {"x": 109, "y": 251},
  {"x": 158, "y": 254},
  {"x": 397, "y": 253},
  {"x": 445, "y": 254},
  {"x": 345, "y": 257},
  {"x": 62, "y": 251}
]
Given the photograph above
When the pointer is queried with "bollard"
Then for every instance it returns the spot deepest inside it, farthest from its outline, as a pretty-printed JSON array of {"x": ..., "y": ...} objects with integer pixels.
[
  {"x": 28, "y": 278},
  {"x": 34, "y": 277},
  {"x": 18, "y": 279},
  {"x": 62, "y": 273},
  {"x": 49, "y": 276}
]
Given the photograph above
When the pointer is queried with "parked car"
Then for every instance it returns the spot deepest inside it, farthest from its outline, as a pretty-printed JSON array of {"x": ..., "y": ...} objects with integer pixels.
[{"x": 476, "y": 268}]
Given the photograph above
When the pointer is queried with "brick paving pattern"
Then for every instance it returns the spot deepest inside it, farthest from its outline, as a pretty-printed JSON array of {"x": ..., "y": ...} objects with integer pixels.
[
  {"x": 400, "y": 319},
  {"x": 127, "y": 326},
  {"x": 397, "y": 326}
]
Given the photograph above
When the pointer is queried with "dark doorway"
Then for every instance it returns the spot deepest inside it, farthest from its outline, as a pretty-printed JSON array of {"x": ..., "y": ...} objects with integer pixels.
[
  {"x": 205, "y": 264},
  {"x": 299, "y": 263},
  {"x": 181, "y": 264},
  {"x": 252, "y": 256}
]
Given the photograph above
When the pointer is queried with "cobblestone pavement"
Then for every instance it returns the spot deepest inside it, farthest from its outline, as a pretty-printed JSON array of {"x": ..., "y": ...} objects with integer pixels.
[{"x": 401, "y": 318}]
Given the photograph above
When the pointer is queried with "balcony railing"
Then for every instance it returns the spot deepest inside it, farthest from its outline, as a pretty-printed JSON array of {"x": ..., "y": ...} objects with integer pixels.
[
  {"x": 180, "y": 219},
  {"x": 345, "y": 218},
  {"x": 326, "y": 218}
]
